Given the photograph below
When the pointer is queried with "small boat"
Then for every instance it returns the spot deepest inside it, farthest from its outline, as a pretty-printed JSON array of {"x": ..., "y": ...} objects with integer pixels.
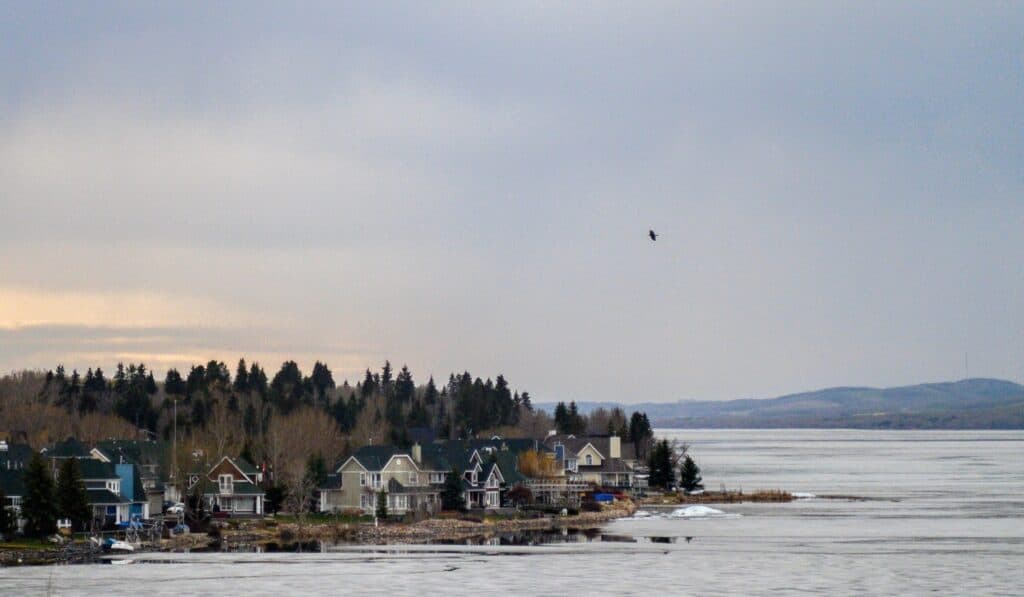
[{"x": 114, "y": 545}]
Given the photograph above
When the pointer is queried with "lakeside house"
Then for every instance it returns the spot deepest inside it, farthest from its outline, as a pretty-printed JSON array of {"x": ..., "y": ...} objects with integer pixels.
[
  {"x": 595, "y": 459},
  {"x": 413, "y": 479},
  {"x": 410, "y": 482},
  {"x": 233, "y": 485}
]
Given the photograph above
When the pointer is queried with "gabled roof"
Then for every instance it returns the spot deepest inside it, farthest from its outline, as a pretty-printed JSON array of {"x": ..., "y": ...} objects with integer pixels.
[
  {"x": 96, "y": 469},
  {"x": 602, "y": 443},
  {"x": 239, "y": 465},
  {"x": 509, "y": 465},
  {"x": 69, "y": 448},
  {"x": 516, "y": 445},
  {"x": 374, "y": 458},
  {"x": 608, "y": 465},
  {"x": 247, "y": 467},
  {"x": 131, "y": 451},
  {"x": 103, "y": 497}
]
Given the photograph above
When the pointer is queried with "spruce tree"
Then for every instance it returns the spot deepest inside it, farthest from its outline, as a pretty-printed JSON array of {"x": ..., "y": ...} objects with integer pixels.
[
  {"x": 382, "y": 504},
  {"x": 689, "y": 475},
  {"x": 72, "y": 498},
  {"x": 39, "y": 506},
  {"x": 451, "y": 497},
  {"x": 660, "y": 463}
]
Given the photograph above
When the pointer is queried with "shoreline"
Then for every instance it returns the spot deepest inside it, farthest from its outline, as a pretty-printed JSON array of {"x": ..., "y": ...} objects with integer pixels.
[{"x": 267, "y": 531}]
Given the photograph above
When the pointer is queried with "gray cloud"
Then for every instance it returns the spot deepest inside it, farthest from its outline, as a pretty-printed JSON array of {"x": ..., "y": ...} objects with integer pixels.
[{"x": 838, "y": 187}]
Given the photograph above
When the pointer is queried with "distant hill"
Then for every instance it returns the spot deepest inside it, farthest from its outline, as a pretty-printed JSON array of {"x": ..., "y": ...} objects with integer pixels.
[{"x": 965, "y": 404}]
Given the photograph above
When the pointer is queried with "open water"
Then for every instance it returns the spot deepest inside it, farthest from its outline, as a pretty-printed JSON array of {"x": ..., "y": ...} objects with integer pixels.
[{"x": 945, "y": 515}]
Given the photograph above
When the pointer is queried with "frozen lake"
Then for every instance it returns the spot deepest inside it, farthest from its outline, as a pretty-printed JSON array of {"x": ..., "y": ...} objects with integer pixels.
[{"x": 946, "y": 516}]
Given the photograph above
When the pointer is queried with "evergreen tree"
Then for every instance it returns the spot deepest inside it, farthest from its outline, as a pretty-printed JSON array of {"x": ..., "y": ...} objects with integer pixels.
[
  {"x": 430, "y": 393},
  {"x": 562, "y": 418},
  {"x": 382, "y": 504},
  {"x": 286, "y": 389},
  {"x": 241, "y": 377},
  {"x": 174, "y": 385},
  {"x": 662, "y": 474},
  {"x": 38, "y": 506},
  {"x": 258, "y": 379},
  {"x": 322, "y": 382},
  {"x": 7, "y": 521},
  {"x": 689, "y": 475},
  {"x": 451, "y": 496},
  {"x": 72, "y": 498}
]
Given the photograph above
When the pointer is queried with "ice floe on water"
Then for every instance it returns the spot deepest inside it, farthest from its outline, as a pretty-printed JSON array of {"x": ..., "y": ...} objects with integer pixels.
[
  {"x": 800, "y": 495},
  {"x": 698, "y": 512},
  {"x": 689, "y": 512}
]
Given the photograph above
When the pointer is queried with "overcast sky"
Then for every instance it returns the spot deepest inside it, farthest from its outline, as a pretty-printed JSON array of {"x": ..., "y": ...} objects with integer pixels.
[{"x": 839, "y": 189}]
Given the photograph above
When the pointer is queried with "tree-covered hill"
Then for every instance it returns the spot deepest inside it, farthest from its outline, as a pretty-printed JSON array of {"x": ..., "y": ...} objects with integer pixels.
[{"x": 965, "y": 404}]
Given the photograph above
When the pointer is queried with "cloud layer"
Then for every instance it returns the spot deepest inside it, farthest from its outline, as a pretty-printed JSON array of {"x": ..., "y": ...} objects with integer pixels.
[{"x": 838, "y": 190}]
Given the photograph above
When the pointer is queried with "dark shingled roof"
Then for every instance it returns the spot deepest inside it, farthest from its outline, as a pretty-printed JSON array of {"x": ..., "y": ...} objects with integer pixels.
[
  {"x": 508, "y": 464},
  {"x": 516, "y": 445},
  {"x": 132, "y": 451},
  {"x": 104, "y": 496},
  {"x": 68, "y": 448},
  {"x": 333, "y": 481},
  {"x": 373, "y": 458},
  {"x": 96, "y": 469}
]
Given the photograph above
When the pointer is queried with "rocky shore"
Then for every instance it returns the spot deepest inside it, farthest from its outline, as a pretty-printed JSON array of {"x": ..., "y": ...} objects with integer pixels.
[
  {"x": 425, "y": 531},
  {"x": 266, "y": 531}
]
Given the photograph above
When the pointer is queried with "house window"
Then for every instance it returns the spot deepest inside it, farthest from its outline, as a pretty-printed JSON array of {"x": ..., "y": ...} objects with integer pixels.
[
  {"x": 398, "y": 502},
  {"x": 362, "y": 479},
  {"x": 375, "y": 480},
  {"x": 589, "y": 459},
  {"x": 364, "y": 501},
  {"x": 225, "y": 483},
  {"x": 572, "y": 464},
  {"x": 414, "y": 479}
]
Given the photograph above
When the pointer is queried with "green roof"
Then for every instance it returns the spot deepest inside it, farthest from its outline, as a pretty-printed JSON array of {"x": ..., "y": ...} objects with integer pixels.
[
  {"x": 508, "y": 464},
  {"x": 68, "y": 448},
  {"x": 96, "y": 469},
  {"x": 245, "y": 466},
  {"x": 132, "y": 451},
  {"x": 374, "y": 458},
  {"x": 99, "y": 497}
]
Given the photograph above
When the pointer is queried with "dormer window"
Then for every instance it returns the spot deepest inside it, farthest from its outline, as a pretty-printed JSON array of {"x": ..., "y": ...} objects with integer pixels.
[{"x": 589, "y": 459}]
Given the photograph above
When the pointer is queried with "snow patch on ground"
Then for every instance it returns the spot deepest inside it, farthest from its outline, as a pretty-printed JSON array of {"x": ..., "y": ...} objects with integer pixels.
[{"x": 699, "y": 512}]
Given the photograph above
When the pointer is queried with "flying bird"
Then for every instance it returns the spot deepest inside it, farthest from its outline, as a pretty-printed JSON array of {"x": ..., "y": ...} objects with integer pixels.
[{"x": 652, "y": 234}]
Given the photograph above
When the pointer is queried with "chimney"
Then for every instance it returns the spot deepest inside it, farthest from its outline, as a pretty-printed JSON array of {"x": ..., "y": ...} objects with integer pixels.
[
  {"x": 614, "y": 447},
  {"x": 417, "y": 453}
]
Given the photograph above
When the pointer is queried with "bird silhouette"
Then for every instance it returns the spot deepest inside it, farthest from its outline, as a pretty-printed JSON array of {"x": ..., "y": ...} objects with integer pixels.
[{"x": 652, "y": 234}]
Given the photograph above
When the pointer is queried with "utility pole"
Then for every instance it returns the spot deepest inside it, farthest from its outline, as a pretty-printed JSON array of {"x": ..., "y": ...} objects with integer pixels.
[{"x": 174, "y": 457}]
